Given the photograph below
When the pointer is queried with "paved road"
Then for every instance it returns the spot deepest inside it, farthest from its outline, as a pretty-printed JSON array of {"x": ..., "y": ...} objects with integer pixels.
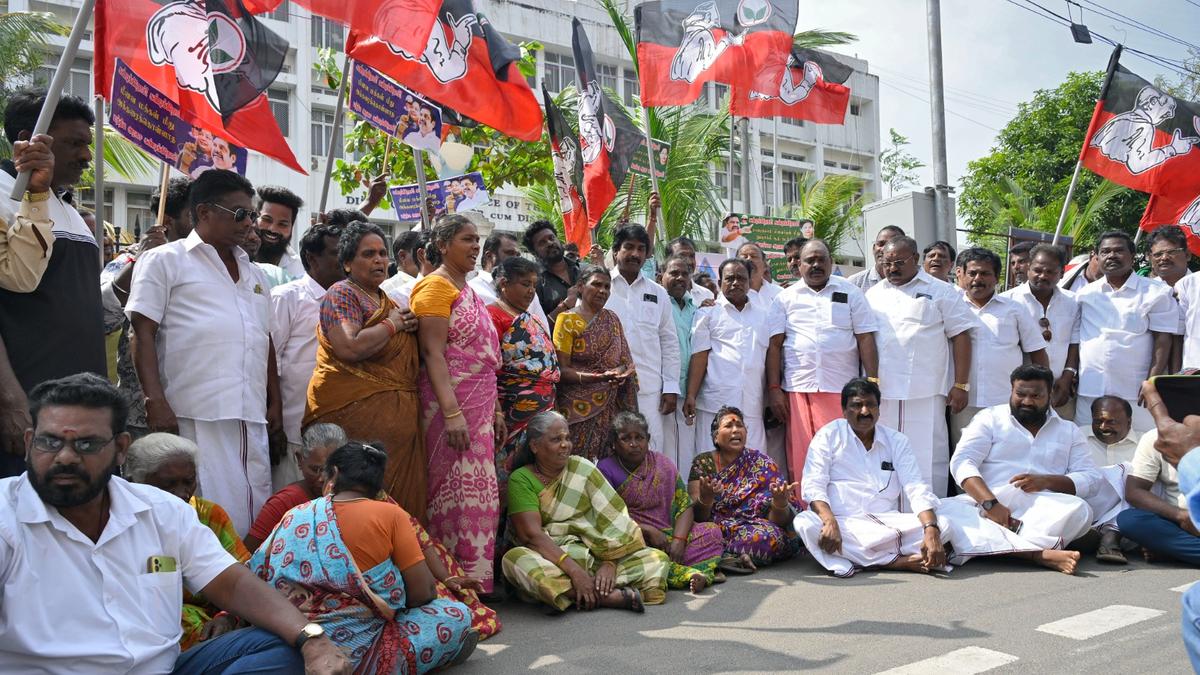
[{"x": 992, "y": 615}]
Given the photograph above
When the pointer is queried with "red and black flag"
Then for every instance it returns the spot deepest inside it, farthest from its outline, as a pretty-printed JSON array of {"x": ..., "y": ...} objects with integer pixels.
[
  {"x": 1142, "y": 137},
  {"x": 804, "y": 84},
  {"x": 466, "y": 66},
  {"x": 404, "y": 23},
  {"x": 568, "y": 175},
  {"x": 682, "y": 44},
  {"x": 211, "y": 56},
  {"x": 1182, "y": 211},
  {"x": 607, "y": 137}
]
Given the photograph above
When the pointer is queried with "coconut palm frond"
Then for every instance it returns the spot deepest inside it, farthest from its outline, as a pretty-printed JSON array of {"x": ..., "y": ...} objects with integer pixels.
[
  {"x": 1085, "y": 219},
  {"x": 19, "y": 28},
  {"x": 124, "y": 158},
  {"x": 818, "y": 37},
  {"x": 834, "y": 204}
]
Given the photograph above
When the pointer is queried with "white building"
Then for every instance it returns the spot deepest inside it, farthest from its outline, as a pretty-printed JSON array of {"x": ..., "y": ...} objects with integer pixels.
[{"x": 780, "y": 151}]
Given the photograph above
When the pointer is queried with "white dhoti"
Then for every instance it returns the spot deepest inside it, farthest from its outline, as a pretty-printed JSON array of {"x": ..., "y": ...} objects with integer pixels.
[
  {"x": 868, "y": 540},
  {"x": 286, "y": 471},
  {"x": 234, "y": 466},
  {"x": 1049, "y": 520},
  {"x": 679, "y": 441},
  {"x": 756, "y": 433},
  {"x": 923, "y": 421},
  {"x": 648, "y": 405},
  {"x": 1109, "y": 499}
]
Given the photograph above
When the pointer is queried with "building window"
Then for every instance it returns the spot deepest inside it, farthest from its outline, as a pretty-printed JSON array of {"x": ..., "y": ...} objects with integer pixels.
[
  {"x": 607, "y": 75},
  {"x": 793, "y": 158},
  {"x": 79, "y": 80},
  {"x": 137, "y": 212},
  {"x": 792, "y": 121},
  {"x": 328, "y": 34},
  {"x": 831, "y": 164},
  {"x": 323, "y": 126},
  {"x": 278, "y": 99},
  {"x": 631, "y": 86},
  {"x": 768, "y": 185},
  {"x": 720, "y": 91},
  {"x": 281, "y": 12},
  {"x": 855, "y": 109},
  {"x": 722, "y": 181},
  {"x": 790, "y": 187},
  {"x": 559, "y": 72}
]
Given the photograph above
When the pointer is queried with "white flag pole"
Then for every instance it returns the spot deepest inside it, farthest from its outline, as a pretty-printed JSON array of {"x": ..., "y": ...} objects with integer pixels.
[
  {"x": 650, "y": 166},
  {"x": 333, "y": 136}
]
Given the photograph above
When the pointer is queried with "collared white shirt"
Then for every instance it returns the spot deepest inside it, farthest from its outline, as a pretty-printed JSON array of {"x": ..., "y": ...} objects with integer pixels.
[
  {"x": 854, "y": 480},
  {"x": 820, "y": 350},
  {"x": 71, "y": 605},
  {"x": 1063, "y": 314},
  {"x": 736, "y": 342},
  {"x": 645, "y": 313},
  {"x": 1115, "y": 342},
  {"x": 765, "y": 295},
  {"x": 1120, "y": 452},
  {"x": 915, "y": 322},
  {"x": 865, "y": 279},
  {"x": 292, "y": 264},
  {"x": 1006, "y": 332},
  {"x": 1187, "y": 290},
  {"x": 700, "y": 294},
  {"x": 485, "y": 287},
  {"x": 397, "y": 282},
  {"x": 995, "y": 447},
  {"x": 213, "y": 334},
  {"x": 295, "y": 313}
]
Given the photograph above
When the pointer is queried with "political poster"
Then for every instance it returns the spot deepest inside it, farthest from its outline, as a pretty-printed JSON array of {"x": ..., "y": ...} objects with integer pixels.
[
  {"x": 639, "y": 165},
  {"x": 450, "y": 195},
  {"x": 394, "y": 110},
  {"x": 151, "y": 121},
  {"x": 770, "y": 234}
]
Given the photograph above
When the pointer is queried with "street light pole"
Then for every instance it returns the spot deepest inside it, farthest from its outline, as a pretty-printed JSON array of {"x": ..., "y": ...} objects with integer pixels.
[{"x": 943, "y": 217}]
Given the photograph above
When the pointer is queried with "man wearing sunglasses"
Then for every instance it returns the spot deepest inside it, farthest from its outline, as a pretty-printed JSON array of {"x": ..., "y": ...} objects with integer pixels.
[
  {"x": 1169, "y": 257},
  {"x": 201, "y": 311}
]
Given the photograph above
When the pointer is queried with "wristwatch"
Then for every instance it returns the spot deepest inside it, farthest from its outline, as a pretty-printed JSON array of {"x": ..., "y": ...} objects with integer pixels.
[
  {"x": 989, "y": 504},
  {"x": 963, "y": 386},
  {"x": 926, "y": 526},
  {"x": 310, "y": 631}
]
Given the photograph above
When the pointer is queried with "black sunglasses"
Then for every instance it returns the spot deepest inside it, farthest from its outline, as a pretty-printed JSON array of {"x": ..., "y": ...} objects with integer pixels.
[{"x": 239, "y": 214}]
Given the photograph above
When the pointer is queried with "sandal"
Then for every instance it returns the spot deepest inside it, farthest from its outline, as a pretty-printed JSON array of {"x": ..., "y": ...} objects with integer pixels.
[
  {"x": 470, "y": 640},
  {"x": 1111, "y": 555},
  {"x": 633, "y": 600},
  {"x": 719, "y": 577},
  {"x": 735, "y": 564}
]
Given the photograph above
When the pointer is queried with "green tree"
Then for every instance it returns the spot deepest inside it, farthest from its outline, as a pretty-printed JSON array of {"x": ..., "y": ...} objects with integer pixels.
[
  {"x": 898, "y": 167},
  {"x": 1037, "y": 152},
  {"x": 1186, "y": 86},
  {"x": 1011, "y": 206},
  {"x": 23, "y": 38},
  {"x": 834, "y": 204}
]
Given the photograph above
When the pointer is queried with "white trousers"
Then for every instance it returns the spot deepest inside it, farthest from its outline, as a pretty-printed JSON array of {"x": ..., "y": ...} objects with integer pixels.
[
  {"x": 923, "y": 421},
  {"x": 868, "y": 540},
  {"x": 679, "y": 441},
  {"x": 756, "y": 432},
  {"x": 1049, "y": 520},
  {"x": 234, "y": 466}
]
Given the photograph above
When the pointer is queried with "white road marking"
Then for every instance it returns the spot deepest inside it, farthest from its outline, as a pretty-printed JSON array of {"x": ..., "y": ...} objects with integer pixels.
[
  {"x": 1184, "y": 588},
  {"x": 965, "y": 661},
  {"x": 491, "y": 648},
  {"x": 1098, "y": 622},
  {"x": 543, "y": 661}
]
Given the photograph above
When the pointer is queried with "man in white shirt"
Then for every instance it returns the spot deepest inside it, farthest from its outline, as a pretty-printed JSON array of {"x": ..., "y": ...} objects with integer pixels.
[
  {"x": 875, "y": 272},
  {"x": 473, "y": 196},
  {"x": 295, "y": 313},
  {"x": 1158, "y": 517},
  {"x": 106, "y": 560},
  {"x": 645, "y": 313},
  {"x": 1057, "y": 315},
  {"x": 498, "y": 247},
  {"x": 822, "y": 332},
  {"x": 676, "y": 278},
  {"x": 1027, "y": 474},
  {"x": 685, "y": 247},
  {"x": 1085, "y": 269},
  {"x": 408, "y": 250},
  {"x": 1126, "y": 324},
  {"x": 729, "y": 349},
  {"x": 201, "y": 316},
  {"x": 1006, "y": 335},
  {"x": 278, "y": 209},
  {"x": 1112, "y": 443},
  {"x": 917, "y": 314},
  {"x": 762, "y": 290},
  {"x": 856, "y": 475}
]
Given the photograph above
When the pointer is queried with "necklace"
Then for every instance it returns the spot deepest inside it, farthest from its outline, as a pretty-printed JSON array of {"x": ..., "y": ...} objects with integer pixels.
[
  {"x": 628, "y": 470},
  {"x": 373, "y": 298},
  {"x": 546, "y": 478},
  {"x": 507, "y": 307}
]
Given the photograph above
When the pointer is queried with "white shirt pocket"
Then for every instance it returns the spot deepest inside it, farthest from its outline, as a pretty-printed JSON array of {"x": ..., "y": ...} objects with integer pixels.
[
  {"x": 839, "y": 315},
  {"x": 162, "y": 601}
]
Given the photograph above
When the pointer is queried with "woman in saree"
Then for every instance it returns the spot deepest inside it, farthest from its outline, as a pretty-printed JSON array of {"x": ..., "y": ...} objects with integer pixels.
[
  {"x": 460, "y": 412},
  {"x": 168, "y": 462},
  {"x": 598, "y": 378},
  {"x": 577, "y": 543},
  {"x": 366, "y": 376},
  {"x": 529, "y": 372},
  {"x": 743, "y": 491},
  {"x": 352, "y": 563},
  {"x": 658, "y": 502}
]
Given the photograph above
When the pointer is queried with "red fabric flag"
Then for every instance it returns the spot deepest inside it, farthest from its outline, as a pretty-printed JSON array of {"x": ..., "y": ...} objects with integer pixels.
[
  {"x": 404, "y": 23},
  {"x": 682, "y": 44},
  {"x": 803, "y": 84},
  {"x": 210, "y": 56},
  {"x": 467, "y": 65},
  {"x": 1184, "y": 212},
  {"x": 568, "y": 175}
]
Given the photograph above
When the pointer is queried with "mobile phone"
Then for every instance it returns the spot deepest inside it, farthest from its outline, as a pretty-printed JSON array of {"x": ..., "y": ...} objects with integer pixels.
[
  {"x": 839, "y": 296},
  {"x": 1014, "y": 525},
  {"x": 1180, "y": 394},
  {"x": 160, "y": 563}
]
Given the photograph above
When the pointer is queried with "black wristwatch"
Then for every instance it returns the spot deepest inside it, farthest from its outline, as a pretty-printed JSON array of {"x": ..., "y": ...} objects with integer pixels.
[
  {"x": 989, "y": 504},
  {"x": 310, "y": 631}
]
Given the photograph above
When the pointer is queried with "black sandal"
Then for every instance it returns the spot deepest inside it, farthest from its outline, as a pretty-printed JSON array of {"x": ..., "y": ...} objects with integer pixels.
[
  {"x": 734, "y": 564},
  {"x": 633, "y": 600}
]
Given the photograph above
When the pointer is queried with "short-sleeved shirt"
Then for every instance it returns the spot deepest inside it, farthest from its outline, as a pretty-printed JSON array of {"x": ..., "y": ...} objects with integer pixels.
[
  {"x": 1062, "y": 313},
  {"x": 1116, "y": 346},
  {"x": 1187, "y": 290},
  {"x": 1006, "y": 331},
  {"x": 433, "y": 296},
  {"x": 1149, "y": 465},
  {"x": 375, "y": 531},
  {"x": 820, "y": 348},
  {"x": 551, "y": 290},
  {"x": 523, "y": 491},
  {"x": 295, "y": 314},
  {"x": 736, "y": 342}
]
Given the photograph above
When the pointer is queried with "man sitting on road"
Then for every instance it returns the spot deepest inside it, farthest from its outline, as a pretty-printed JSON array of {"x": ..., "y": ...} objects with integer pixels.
[
  {"x": 856, "y": 475},
  {"x": 1157, "y": 517},
  {"x": 1113, "y": 443}
]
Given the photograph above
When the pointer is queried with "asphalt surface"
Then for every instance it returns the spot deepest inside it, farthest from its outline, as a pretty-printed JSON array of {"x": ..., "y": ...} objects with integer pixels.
[{"x": 991, "y": 615}]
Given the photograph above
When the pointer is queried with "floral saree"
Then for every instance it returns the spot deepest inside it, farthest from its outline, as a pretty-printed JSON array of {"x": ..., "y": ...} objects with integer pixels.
[{"x": 589, "y": 408}]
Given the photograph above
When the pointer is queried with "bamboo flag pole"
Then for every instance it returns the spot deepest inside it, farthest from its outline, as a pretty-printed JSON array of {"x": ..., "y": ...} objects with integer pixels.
[
  {"x": 163, "y": 181},
  {"x": 653, "y": 176},
  {"x": 334, "y": 135},
  {"x": 422, "y": 190}
]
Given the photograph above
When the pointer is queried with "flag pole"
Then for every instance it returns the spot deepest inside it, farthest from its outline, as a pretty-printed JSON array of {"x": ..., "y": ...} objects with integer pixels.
[
  {"x": 387, "y": 149},
  {"x": 98, "y": 183},
  {"x": 419, "y": 163},
  {"x": 54, "y": 93},
  {"x": 163, "y": 181},
  {"x": 333, "y": 137},
  {"x": 653, "y": 176},
  {"x": 1062, "y": 217}
]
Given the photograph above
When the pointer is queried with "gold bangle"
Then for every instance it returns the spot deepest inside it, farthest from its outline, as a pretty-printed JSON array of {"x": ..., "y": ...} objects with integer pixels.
[
  {"x": 561, "y": 559},
  {"x": 37, "y": 196},
  {"x": 456, "y": 413}
]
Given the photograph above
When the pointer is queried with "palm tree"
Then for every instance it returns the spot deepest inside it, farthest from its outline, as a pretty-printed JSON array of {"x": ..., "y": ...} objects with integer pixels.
[
  {"x": 1011, "y": 206},
  {"x": 23, "y": 38},
  {"x": 834, "y": 204}
]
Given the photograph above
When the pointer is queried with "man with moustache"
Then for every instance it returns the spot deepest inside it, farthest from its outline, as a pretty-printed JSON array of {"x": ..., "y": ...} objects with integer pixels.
[
  {"x": 868, "y": 505},
  {"x": 1018, "y": 264},
  {"x": 874, "y": 273},
  {"x": 1113, "y": 444},
  {"x": 762, "y": 289},
  {"x": 791, "y": 253},
  {"x": 679, "y": 437},
  {"x": 645, "y": 313},
  {"x": 1168, "y": 251},
  {"x": 556, "y": 283},
  {"x": 201, "y": 315},
  {"x": 1126, "y": 324},
  {"x": 498, "y": 247},
  {"x": 278, "y": 209},
  {"x": 822, "y": 332},
  {"x": 686, "y": 248}
]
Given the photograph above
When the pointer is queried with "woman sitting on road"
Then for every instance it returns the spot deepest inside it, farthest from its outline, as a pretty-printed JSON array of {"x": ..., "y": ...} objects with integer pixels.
[
  {"x": 658, "y": 502},
  {"x": 577, "y": 543},
  {"x": 743, "y": 491},
  {"x": 318, "y": 441}
]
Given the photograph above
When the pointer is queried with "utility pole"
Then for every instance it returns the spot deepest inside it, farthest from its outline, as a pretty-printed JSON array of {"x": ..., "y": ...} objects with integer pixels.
[
  {"x": 943, "y": 216},
  {"x": 746, "y": 165}
]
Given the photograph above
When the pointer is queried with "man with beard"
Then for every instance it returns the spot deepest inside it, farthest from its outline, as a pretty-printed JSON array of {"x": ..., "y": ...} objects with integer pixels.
[
  {"x": 677, "y": 279},
  {"x": 645, "y": 313},
  {"x": 1126, "y": 324},
  {"x": 1113, "y": 445},
  {"x": 122, "y": 555},
  {"x": 855, "y": 476},
  {"x": 875, "y": 272},
  {"x": 1026, "y": 473},
  {"x": 556, "y": 283},
  {"x": 822, "y": 331},
  {"x": 201, "y": 315},
  {"x": 278, "y": 209},
  {"x": 1018, "y": 264},
  {"x": 1168, "y": 251},
  {"x": 57, "y": 328},
  {"x": 1005, "y": 335},
  {"x": 1057, "y": 315}
]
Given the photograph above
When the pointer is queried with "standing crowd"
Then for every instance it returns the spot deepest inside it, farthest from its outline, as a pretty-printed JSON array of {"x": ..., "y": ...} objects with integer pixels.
[{"x": 229, "y": 454}]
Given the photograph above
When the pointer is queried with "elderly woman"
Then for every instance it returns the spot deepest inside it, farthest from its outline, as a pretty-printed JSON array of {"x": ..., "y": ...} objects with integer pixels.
[
  {"x": 529, "y": 371},
  {"x": 168, "y": 462},
  {"x": 578, "y": 544},
  {"x": 743, "y": 491},
  {"x": 658, "y": 502},
  {"x": 460, "y": 413},
  {"x": 353, "y": 564},
  {"x": 598, "y": 379},
  {"x": 318, "y": 441},
  {"x": 366, "y": 375}
]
